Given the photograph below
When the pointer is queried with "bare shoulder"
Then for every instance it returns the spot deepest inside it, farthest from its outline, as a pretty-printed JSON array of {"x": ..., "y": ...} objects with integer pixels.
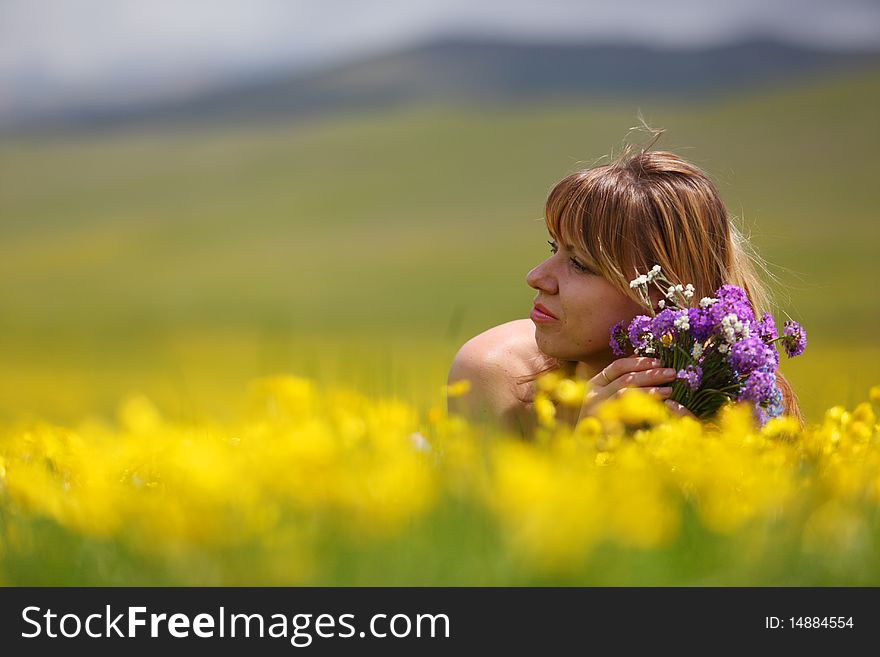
[
  {"x": 507, "y": 347},
  {"x": 493, "y": 361}
]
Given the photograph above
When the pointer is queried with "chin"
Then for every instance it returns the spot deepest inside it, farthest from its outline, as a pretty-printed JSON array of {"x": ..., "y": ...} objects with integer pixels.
[
  {"x": 552, "y": 346},
  {"x": 549, "y": 346}
]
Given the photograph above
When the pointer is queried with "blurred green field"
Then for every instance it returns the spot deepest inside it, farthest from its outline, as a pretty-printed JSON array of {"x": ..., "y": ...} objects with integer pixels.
[{"x": 364, "y": 249}]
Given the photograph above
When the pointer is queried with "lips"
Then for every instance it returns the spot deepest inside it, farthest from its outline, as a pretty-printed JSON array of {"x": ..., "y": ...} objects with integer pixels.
[{"x": 541, "y": 314}]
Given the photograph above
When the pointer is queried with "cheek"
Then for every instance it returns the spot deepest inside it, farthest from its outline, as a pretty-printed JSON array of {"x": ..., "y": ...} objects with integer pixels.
[
  {"x": 621, "y": 312},
  {"x": 591, "y": 309},
  {"x": 590, "y": 319},
  {"x": 585, "y": 321}
]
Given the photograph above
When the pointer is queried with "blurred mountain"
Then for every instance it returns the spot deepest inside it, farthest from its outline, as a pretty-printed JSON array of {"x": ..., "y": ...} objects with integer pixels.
[{"x": 468, "y": 71}]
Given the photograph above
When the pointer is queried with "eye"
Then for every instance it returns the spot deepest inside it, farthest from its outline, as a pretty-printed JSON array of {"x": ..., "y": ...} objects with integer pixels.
[{"x": 579, "y": 265}]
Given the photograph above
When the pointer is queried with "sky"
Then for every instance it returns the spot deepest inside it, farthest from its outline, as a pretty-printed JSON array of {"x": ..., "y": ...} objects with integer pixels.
[{"x": 57, "y": 51}]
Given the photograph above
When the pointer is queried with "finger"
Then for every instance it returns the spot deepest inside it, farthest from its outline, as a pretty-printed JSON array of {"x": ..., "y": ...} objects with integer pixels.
[
  {"x": 643, "y": 379},
  {"x": 661, "y": 392},
  {"x": 622, "y": 366},
  {"x": 678, "y": 409}
]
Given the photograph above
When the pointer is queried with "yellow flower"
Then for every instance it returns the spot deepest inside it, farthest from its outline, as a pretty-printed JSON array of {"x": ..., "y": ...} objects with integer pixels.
[
  {"x": 736, "y": 419},
  {"x": 570, "y": 392},
  {"x": 545, "y": 410},
  {"x": 458, "y": 388},
  {"x": 588, "y": 428},
  {"x": 781, "y": 427},
  {"x": 435, "y": 415},
  {"x": 548, "y": 381},
  {"x": 312, "y": 471},
  {"x": 632, "y": 408},
  {"x": 283, "y": 396},
  {"x": 864, "y": 413},
  {"x": 138, "y": 415},
  {"x": 552, "y": 514}
]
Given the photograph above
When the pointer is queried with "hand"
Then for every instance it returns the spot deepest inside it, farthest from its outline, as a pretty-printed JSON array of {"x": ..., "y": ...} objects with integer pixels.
[
  {"x": 639, "y": 372},
  {"x": 678, "y": 409}
]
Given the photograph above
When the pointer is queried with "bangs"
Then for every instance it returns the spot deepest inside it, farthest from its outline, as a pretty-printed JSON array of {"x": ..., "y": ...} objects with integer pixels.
[
  {"x": 564, "y": 215},
  {"x": 585, "y": 211}
]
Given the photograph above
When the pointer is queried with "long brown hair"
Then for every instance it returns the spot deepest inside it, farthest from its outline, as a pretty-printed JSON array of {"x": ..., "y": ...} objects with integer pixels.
[{"x": 652, "y": 207}]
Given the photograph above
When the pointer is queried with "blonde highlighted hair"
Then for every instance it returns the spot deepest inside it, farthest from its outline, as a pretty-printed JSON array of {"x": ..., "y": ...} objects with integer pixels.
[{"x": 650, "y": 208}]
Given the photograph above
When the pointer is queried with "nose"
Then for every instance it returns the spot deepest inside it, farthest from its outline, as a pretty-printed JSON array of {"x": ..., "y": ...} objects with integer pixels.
[{"x": 542, "y": 278}]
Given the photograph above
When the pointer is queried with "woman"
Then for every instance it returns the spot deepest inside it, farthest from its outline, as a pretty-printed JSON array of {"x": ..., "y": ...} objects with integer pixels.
[{"x": 608, "y": 224}]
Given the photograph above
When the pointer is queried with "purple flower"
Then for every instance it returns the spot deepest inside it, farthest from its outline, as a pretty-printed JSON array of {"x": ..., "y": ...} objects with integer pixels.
[
  {"x": 705, "y": 320},
  {"x": 638, "y": 328},
  {"x": 770, "y": 408},
  {"x": 618, "y": 339},
  {"x": 767, "y": 328},
  {"x": 701, "y": 323},
  {"x": 760, "y": 416},
  {"x": 758, "y": 387},
  {"x": 692, "y": 375},
  {"x": 775, "y": 406},
  {"x": 751, "y": 354},
  {"x": 731, "y": 299},
  {"x": 731, "y": 293},
  {"x": 794, "y": 338},
  {"x": 663, "y": 322},
  {"x": 670, "y": 321}
]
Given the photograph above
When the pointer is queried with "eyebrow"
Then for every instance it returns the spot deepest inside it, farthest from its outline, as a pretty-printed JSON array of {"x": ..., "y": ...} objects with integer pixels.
[
  {"x": 577, "y": 252},
  {"x": 587, "y": 258}
]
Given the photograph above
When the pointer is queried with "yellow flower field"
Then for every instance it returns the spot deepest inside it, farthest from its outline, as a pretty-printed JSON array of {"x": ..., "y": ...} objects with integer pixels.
[{"x": 315, "y": 485}]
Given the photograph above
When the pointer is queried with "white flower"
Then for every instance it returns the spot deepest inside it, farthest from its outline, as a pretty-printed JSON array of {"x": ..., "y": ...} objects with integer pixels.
[
  {"x": 688, "y": 291},
  {"x": 670, "y": 292},
  {"x": 655, "y": 269},
  {"x": 705, "y": 302},
  {"x": 682, "y": 322},
  {"x": 722, "y": 348},
  {"x": 697, "y": 351},
  {"x": 661, "y": 304},
  {"x": 730, "y": 326},
  {"x": 641, "y": 280},
  {"x": 419, "y": 442}
]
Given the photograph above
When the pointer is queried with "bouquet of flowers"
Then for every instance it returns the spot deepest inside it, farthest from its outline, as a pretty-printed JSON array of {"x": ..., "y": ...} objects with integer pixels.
[{"x": 720, "y": 350}]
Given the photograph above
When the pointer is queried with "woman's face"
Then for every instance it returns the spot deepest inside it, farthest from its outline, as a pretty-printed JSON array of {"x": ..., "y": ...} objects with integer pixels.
[{"x": 575, "y": 307}]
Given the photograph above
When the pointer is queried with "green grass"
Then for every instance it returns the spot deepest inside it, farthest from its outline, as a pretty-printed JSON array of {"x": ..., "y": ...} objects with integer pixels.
[{"x": 366, "y": 248}]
